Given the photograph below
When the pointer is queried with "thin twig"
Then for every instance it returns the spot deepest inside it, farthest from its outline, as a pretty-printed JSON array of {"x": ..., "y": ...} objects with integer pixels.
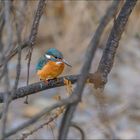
[
  {"x": 74, "y": 125},
  {"x": 32, "y": 37},
  {"x": 14, "y": 52},
  {"x": 47, "y": 110},
  {"x": 2, "y": 23},
  {"x": 7, "y": 6},
  {"x": 19, "y": 28},
  {"x": 64, "y": 128},
  {"x": 9, "y": 98},
  {"x": 50, "y": 119}
]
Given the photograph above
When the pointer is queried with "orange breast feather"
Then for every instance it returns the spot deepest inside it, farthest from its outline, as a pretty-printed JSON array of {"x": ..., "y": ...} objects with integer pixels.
[{"x": 50, "y": 70}]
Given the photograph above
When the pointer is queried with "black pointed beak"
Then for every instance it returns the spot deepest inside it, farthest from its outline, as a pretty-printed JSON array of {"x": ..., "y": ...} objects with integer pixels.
[{"x": 63, "y": 60}]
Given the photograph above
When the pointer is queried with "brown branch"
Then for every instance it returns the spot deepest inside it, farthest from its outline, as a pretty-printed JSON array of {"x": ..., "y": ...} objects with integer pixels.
[
  {"x": 50, "y": 119},
  {"x": 31, "y": 40},
  {"x": 40, "y": 86},
  {"x": 35, "y": 25},
  {"x": 34, "y": 30},
  {"x": 66, "y": 121},
  {"x": 9, "y": 32},
  {"x": 23, "y": 45},
  {"x": 109, "y": 52},
  {"x": 74, "y": 125},
  {"x": 64, "y": 102},
  {"x": 14, "y": 52},
  {"x": 32, "y": 37},
  {"x": 106, "y": 64},
  {"x": 8, "y": 11}
]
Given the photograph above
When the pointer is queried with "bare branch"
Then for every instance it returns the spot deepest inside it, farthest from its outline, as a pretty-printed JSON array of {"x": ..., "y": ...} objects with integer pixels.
[
  {"x": 74, "y": 125},
  {"x": 99, "y": 78},
  {"x": 38, "y": 14},
  {"x": 31, "y": 40},
  {"x": 64, "y": 128},
  {"x": 8, "y": 25},
  {"x": 32, "y": 37},
  {"x": 107, "y": 59},
  {"x": 50, "y": 119},
  {"x": 14, "y": 52},
  {"x": 64, "y": 102},
  {"x": 8, "y": 7},
  {"x": 40, "y": 86}
]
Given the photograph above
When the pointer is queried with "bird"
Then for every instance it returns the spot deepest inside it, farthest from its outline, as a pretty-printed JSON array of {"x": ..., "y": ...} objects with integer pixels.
[{"x": 51, "y": 64}]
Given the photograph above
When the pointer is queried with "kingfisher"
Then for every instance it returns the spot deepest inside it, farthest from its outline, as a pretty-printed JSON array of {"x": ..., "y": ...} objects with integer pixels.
[{"x": 51, "y": 64}]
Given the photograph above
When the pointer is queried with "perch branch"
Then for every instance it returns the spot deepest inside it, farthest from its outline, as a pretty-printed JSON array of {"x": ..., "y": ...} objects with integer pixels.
[
  {"x": 40, "y": 86},
  {"x": 68, "y": 101}
]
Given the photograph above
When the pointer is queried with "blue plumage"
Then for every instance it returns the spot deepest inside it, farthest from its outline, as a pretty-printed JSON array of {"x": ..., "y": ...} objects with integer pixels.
[
  {"x": 43, "y": 60},
  {"x": 54, "y": 52},
  {"x": 51, "y": 64}
]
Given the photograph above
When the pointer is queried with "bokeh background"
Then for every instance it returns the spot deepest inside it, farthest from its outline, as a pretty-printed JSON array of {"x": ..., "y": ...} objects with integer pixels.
[{"x": 69, "y": 27}]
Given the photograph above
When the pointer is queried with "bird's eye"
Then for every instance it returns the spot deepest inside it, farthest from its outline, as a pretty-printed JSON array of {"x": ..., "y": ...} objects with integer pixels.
[{"x": 56, "y": 57}]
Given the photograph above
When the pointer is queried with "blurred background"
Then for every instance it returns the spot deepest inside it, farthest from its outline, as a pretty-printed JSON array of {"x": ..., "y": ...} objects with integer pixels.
[{"x": 69, "y": 27}]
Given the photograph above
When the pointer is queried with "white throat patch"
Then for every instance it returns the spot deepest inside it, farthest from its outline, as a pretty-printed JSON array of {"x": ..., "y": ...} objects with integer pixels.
[
  {"x": 47, "y": 56},
  {"x": 59, "y": 62}
]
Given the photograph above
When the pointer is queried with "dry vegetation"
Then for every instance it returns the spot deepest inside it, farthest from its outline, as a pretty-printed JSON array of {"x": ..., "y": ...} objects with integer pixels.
[{"x": 69, "y": 26}]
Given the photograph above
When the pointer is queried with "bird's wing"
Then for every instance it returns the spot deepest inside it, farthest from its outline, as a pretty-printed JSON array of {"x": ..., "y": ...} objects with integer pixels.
[{"x": 41, "y": 62}]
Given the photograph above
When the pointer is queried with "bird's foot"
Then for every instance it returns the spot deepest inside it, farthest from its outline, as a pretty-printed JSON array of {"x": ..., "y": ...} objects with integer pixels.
[{"x": 47, "y": 81}]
